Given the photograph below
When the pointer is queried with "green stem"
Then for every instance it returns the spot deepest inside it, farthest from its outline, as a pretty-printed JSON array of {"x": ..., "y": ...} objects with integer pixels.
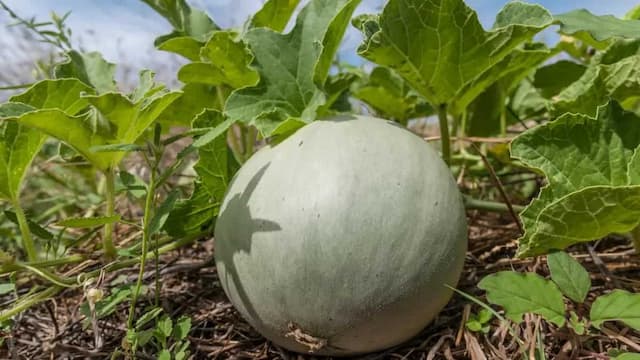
[
  {"x": 249, "y": 141},
  {"x": 635, "y": 239},
  {"x": 234, "y": 144},
  {"x": 27, "y": 302},
  {"x": 110, "y": 193},
  {"x": 475, "y": 204},
  {"x": 146, "y": 235},
  {"x": 444, "y": 133},
  {"x": 115, "y": 266},
  {"x": 27, "y": 239}
]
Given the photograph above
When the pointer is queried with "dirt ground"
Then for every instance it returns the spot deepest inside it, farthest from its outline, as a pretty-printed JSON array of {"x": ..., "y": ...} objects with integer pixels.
[{"x": 54, "y": 330}]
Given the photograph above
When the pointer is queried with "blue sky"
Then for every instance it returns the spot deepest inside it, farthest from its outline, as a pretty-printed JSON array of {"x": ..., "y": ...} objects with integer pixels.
[{"x": 123, "y": 30}]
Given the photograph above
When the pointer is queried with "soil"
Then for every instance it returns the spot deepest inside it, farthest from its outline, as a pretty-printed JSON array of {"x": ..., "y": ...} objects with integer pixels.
[{"x": 55, "y": 330}]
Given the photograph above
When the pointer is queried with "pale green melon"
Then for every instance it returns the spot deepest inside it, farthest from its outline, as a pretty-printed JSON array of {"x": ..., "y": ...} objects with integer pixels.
[{"x": 340, "y": 239}]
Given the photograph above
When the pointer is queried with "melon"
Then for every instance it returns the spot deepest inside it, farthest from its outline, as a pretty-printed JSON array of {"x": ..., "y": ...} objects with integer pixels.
[{"x": 340, "y": 239}]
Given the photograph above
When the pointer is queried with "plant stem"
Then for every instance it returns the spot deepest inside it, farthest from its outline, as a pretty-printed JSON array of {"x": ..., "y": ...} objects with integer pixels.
[
  {"x": 54, "y": 289},
  {"x": 635, "y": 239},
  {"x": 234, "y": 144},
  {"x": 27, "y": 239},
  {"x": 148, "y": 213},
  {"x": 444, "y": 133},
  {"x": 476, "y": 204},
  {"x": 249, "y": 141},
  {"x": 27, "y": 302},
  {"x": 110, "y": 193}
]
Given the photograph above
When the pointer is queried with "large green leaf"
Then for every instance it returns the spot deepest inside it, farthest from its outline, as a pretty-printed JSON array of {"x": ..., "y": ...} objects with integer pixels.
[
  {"x": 524, "y": 293},
  {"x": 485, "y": 111},
  {"x": 186, "y": 21},
  {"x": 293, "y": 67},
  {"x": 553, "y": 78},
  {"x": 619, "y": 80},
  {"x": 592, "y": 167},
  {"x": 274, "y": 14},
  {"x": 20, "y": 144},
  {"x": 391, "y": 97},
  {"x": 90, "y": 68},
  {"x": 600, "y": 28},
  {"x": 619, "y": 305},
  {"x": 195, "y": 98},
  {"x": 226, "y": 60},
  {"x": 114, "y": 119},
  {"x": 441, "y": 49},
  {"x": 18, "y": 147},
  {"x": 213, "y": 169}
]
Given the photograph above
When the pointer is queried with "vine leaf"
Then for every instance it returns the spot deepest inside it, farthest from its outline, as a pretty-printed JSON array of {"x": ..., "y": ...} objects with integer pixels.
[
  {"x": 592, "y": 166},
  {"x": 90, "y": 68},
  {"x": 274, "y": 14},
  {"x": 618, "y": 305},
  {"x": 441, "y": 49},
  {"x": 113, "y": 119},
  {"x": 524, "y": 293},
  {"x": 391, "y": 97},
  {"x": 214, "y": 172},
  {"x": 600, "y": 28},
  {"x": 569, "y": 275},
  {"x": 619, "y": 80},
  {"x": 225, "y": 60},
  {"x": 187, "y": 22},
  {"x": 293, "y": 67},
  {"x": 20, "y": 144}
]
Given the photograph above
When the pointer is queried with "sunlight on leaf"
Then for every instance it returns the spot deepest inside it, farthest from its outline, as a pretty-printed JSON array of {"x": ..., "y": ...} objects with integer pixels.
[{"x": 618, "y": 305}]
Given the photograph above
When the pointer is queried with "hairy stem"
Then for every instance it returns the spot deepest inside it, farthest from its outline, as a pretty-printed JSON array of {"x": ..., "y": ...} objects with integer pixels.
[
  {"x": 146, "y": 235},
  {"x": 110, "y": 194},
  {"x": 27, "y": 239},
  {"x": 444, "y": 133}
]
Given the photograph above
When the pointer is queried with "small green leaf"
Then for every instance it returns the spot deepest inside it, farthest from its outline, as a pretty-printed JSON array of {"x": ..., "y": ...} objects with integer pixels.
[
  {"x": 553, "y": 78},
  {"x": 165, "y": 326},
  {"x": 618, "y": 305},
  {"x": 392, "y": 97},
  {"x": 457, "y": 70},
  {"x": 35, "y": 229},
  {"x": 185, "y": 20},
  {"x": 164, "y": 354},
  {"x": 601, "y": 27},
  {"x": 524, "y": 293},
  {"x": 88, "y": 222},
  {"x": 6, "y": 288},
  {"x": 148, "y": 316},
  {"x": 133, "y": 184},
  {"x": 182, "y": 328},
  {"x": 292, "y": 67},
  {"x": 226, "y": 60},
  {"x": 160, "y": 217},
  {"x": 569, "y": 275},
  {"x": 144, "y": 336},
  {"x": 274, "y": 14},
  {"x": 219, "y": 130},
  {"x": 184, "y": 46},
  {"x": 193, "y": 215},
  {"x": 90, "y": 68}
]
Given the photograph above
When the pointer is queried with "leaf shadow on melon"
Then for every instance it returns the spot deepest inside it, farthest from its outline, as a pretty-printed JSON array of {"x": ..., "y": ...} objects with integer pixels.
[{"x": 237, "y": 210}]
